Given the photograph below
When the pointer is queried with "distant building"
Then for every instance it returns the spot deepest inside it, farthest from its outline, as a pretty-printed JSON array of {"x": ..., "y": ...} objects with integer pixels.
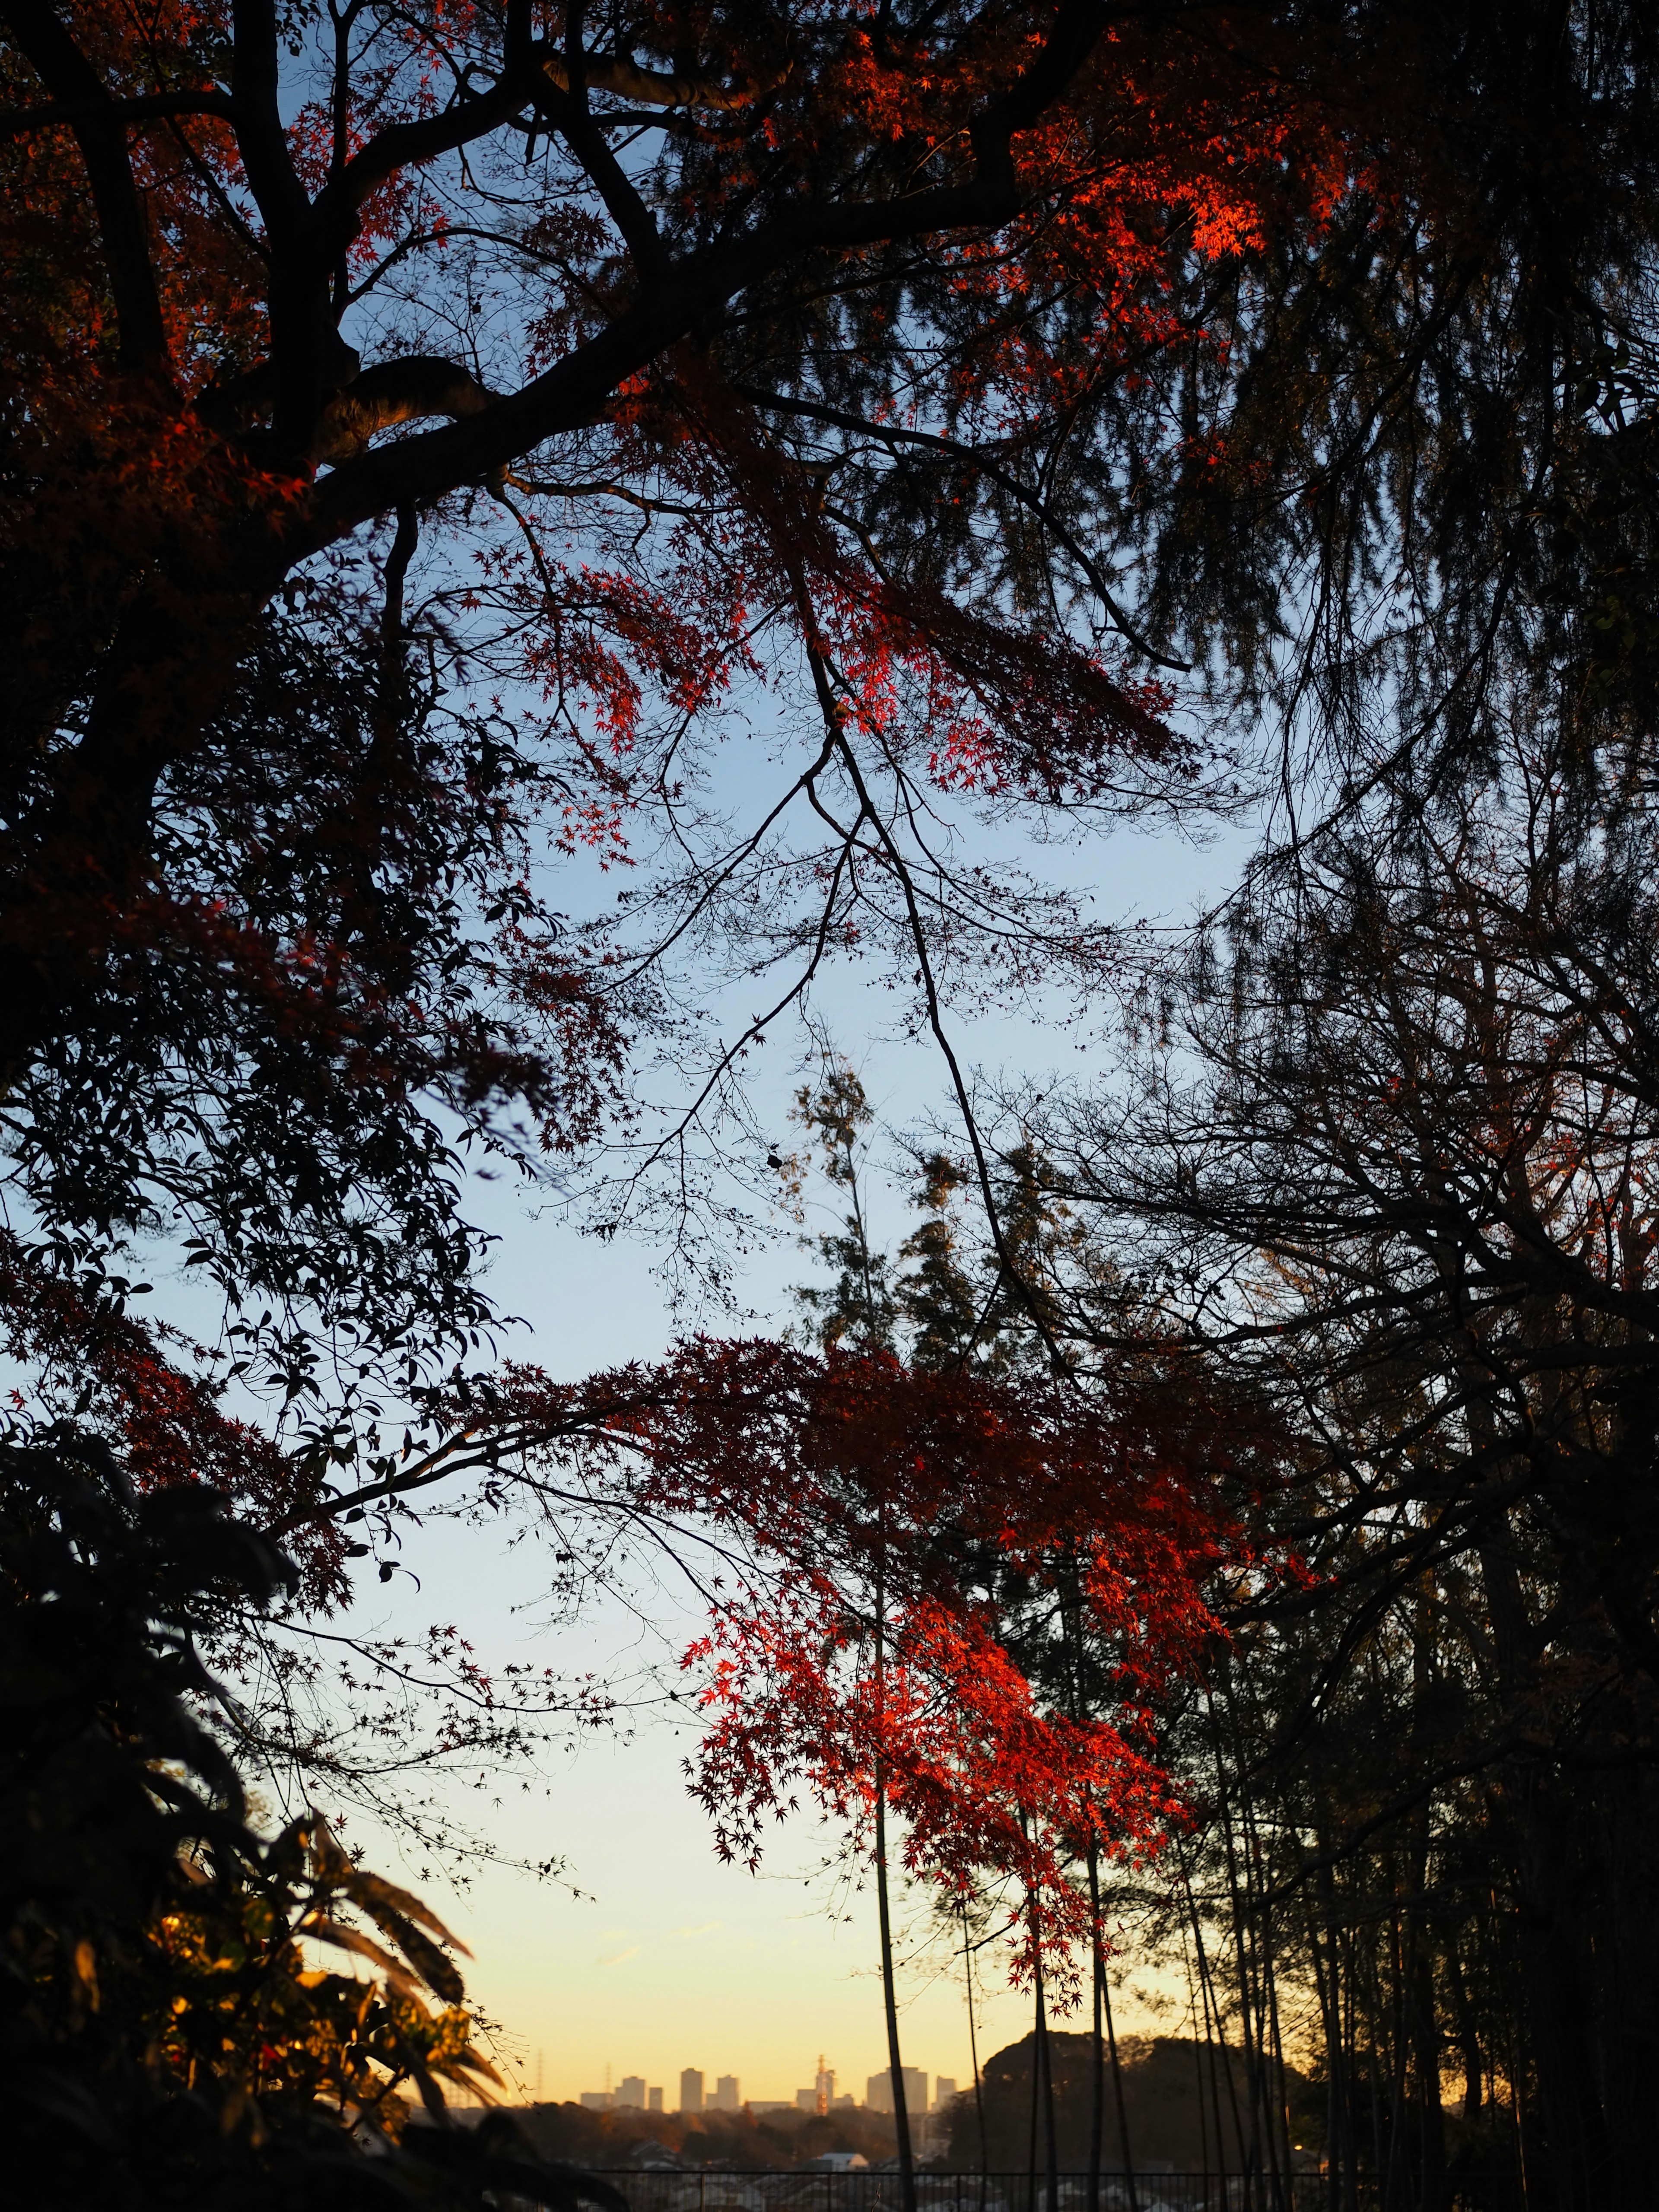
[
  {"x": 878, "y": 2092},
  {"x": 771, "y": 2105},
  {"x": 652, "y": 2157},
  {"x": 944, "y": 2090},
  {"x": 825, "y": 2085},
  {"x": 806, "y": 2101},
  {"x": 598, "y": 2100},
  {"x": 850, "y": 2103},
  {"x": 691, "y": 2089},
  {"x": 653, "y": 2100},
  {"x": 727, "y": 2097},
  {"x": 630, "y": 2090}
]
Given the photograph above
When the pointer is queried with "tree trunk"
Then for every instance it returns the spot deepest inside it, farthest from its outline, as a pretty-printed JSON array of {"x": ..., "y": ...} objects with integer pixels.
[
  {"x": 1097, "y": 2048},
  {"x": 1117, "y": 2093},
  {"x": 1045, "y": 2059},
  {"x": 973, "y": 2054},
  {"x": 901, "y": 2112}
]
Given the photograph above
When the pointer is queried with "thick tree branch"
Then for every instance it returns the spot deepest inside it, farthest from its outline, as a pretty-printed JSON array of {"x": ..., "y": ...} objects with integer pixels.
[
  {"x": 260, "y": 138},
  {"x": 569, "y": 114},
  {"x": 619, "y": 74},
  {"x": 100, "y": 131},
  {"x": 393, "y": 392},
  {"x": 404, "y": 145},
  {"x": 575, "y": 390},
  {"x": 145, "y": 107}
]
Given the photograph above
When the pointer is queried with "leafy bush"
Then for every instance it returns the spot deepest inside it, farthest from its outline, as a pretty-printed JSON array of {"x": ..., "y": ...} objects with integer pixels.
[{"x": 164, "y": 2040}]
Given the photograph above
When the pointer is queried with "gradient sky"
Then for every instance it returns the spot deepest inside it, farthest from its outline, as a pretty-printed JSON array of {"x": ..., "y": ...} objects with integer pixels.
[{"x": 667, "y": 1959}]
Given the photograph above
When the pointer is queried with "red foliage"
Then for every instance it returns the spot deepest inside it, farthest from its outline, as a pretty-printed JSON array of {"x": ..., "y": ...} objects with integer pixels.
[
  {"x": 863, "y": 1495},
  {"x": 178, "y": 328},
  {"x": 90, "y": 1363}
]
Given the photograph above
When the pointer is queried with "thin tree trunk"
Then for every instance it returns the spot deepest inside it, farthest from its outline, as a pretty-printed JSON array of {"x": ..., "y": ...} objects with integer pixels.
[
  {"x": 1326, "y": 1992},
  {"x": 972, "y": 2053},
  {"x": 1096, "y": 2047},
  {"x": 1117, "y": 2092},
  {"x": 1235, "y": 1899},
  {"x": 1212, "y": 2010},
  {"x": 1036, "y": 2093},
  {"x": 1051, "y": 2153},
  {"x": 1199, "y": 2050},
  {"x": 901, "y": 2114},
  {"x": 1275, "y": 2119}
]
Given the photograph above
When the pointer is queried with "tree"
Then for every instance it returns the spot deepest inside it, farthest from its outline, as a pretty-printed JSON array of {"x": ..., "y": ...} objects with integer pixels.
[
  {"x": 622, "y": 355},
  {"x": 1406, "y": 1192},
  {"x": 193, "y": 365},
  {"x": 267, "y": 837},
  {"x": 422, "y": 426}
]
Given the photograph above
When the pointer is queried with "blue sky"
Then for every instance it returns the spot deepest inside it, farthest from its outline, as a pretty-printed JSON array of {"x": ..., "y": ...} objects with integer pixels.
[{"x": 654, "y": 1956}]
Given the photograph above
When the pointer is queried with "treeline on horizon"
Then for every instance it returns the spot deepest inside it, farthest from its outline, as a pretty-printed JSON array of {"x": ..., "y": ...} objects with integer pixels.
[
  {"x": 532, "y": 537},
  {"x": 1170, "y": 2084}
]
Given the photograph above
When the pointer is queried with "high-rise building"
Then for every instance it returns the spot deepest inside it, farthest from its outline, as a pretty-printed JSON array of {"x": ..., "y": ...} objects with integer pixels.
[
  {"x": 630, "y": 2090},
  {"x": 878, "y": 2092},
  {"x": 806, "y": 2101},
  {"x": 691, "y": 2089},
  {"x": 825, "y": 2085},
  {"x": 944, "y": 2090},
  {"x": 727, "y": 2097},
  {"x": 655, "y": 2100}
]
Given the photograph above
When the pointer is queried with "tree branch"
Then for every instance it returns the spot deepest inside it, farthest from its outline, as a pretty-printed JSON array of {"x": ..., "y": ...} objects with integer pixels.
[
  {"x": 619, "y": 74},
  {"x": 392, "y": 392},
  {"x": 575, "y": 390},
  {"x": 100, "y": 131},
  {"x": 145, "y": 107},
  {"x": 260, "y": 139},
  {"x": 892, "y": 434}
]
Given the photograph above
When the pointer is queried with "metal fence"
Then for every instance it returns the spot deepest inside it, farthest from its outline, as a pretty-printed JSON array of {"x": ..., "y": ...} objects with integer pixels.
[{"x": 867, "y": 2192}]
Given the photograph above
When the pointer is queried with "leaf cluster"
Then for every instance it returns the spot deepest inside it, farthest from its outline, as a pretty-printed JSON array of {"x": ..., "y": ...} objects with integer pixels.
[{"x": 167, "y": 2037}]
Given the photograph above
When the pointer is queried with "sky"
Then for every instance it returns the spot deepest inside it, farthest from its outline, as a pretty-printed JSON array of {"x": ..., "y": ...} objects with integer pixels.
[{"x": 648, "y": 1955}]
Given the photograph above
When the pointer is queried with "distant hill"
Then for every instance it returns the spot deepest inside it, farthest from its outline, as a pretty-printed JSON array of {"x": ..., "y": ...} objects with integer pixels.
[{"x": 1163, "y": 2077}]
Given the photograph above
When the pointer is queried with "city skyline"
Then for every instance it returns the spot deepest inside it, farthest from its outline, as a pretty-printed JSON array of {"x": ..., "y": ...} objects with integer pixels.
[{"x": 633, "y": 2092}]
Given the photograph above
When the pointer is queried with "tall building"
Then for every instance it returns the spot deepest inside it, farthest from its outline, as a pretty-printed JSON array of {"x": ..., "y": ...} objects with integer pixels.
[
  {"x": 944, "y": 2090},
  {"x": 806, "y": 2101},
  {"x": 727, "y": 2097},
  {"x": 878, "y": 2092},
  {"x": 630, "y": 2090},
  {"x": 655, "y": 2100},
  {"x": 825, "y": 2085},
  {"x": 691, "y": 2089}
]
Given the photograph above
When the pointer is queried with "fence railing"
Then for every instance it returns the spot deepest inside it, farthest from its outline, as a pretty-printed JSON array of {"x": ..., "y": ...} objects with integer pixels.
[{"x": 709, "y": 2191}]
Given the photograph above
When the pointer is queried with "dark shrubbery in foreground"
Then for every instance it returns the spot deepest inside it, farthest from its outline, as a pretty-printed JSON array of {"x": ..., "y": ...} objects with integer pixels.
[{"x": 163, "y": 2039}]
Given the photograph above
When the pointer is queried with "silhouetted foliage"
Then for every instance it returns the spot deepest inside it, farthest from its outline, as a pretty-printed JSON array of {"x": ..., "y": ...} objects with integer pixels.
[{"x": 164, "y": 2040}]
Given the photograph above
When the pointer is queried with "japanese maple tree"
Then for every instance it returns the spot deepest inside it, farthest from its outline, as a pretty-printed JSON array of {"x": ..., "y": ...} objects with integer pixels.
[
  {"x": 425, "y": 424},
  {"x": 431, "y": 430}
]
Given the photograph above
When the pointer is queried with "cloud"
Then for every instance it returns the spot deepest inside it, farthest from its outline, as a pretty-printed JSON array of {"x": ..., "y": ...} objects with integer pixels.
[{"x": 616, "y": 1957}]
